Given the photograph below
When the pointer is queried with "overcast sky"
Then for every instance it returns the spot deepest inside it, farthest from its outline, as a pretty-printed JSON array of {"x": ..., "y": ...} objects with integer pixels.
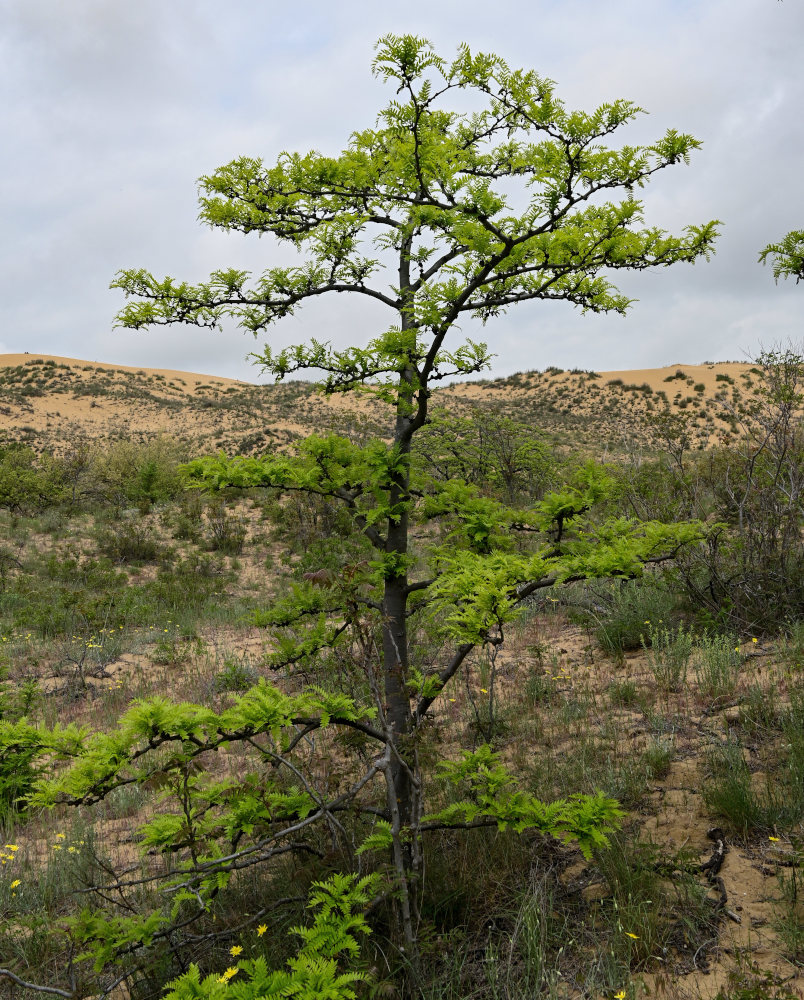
[{"x": 110, "y": 110}]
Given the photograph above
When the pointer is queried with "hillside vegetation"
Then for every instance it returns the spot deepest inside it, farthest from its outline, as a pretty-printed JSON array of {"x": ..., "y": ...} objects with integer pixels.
[
  {"x": 678, "y": 692},
  {"x": 51, "y": 403}
]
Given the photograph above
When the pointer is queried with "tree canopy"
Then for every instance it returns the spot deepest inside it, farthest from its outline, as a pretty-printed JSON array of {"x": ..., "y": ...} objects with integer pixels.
[{"x": 417, "y": 214}]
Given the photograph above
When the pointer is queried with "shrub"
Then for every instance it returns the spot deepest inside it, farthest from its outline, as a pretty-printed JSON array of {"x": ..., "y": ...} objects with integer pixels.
[
  {"x": 622, "y": 611},
  {"x": 669, "y": 652},
  {"x": 238, "y": 674},
  {"x": 131, "y": 542},
  {"x": 226, "y": 531}
]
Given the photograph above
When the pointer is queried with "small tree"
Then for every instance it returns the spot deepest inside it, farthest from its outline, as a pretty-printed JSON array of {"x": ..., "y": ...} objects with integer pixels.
[{"x": 419, "y": 201}]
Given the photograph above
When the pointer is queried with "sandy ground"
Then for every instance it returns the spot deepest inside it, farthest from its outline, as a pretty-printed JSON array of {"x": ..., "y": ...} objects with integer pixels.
[{"x": 83, "y": 400}]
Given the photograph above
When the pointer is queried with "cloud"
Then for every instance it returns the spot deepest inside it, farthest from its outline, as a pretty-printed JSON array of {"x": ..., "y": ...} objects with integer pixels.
[{"x": 115, "y": 109}]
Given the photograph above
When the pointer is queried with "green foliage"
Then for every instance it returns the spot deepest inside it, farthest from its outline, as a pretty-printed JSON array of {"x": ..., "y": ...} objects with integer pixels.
[
  {"x": 622, "y": 611},
  {"x": 493, "y": 795},
  {"x": 314, "y": 971},
  {"x": 787, "y": 256},
  {"x": 484, "y": 258},
  {"x": 415, "y": 215},
  {"x": 128, "y": 473},
  {"x": 25, "y": 480},
  {"x": 20, "y": 749},
  {"x": 668, "y": 652}
]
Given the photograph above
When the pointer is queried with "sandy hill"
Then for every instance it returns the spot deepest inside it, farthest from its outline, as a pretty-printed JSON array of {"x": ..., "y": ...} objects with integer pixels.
[{"x": 50, "y": 402}]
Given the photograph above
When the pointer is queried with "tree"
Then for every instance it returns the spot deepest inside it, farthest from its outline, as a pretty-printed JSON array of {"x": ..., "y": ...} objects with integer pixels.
[
  {"x": 413, "y": 214},
  {"x": 787, "y": 256}
]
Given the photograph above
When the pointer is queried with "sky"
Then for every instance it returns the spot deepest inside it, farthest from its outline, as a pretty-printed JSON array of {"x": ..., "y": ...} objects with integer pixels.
[{"x": 110, "y": 111}]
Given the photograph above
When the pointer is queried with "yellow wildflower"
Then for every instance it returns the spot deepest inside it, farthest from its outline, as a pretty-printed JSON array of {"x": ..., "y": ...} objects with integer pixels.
[
  {"x": 262, "y": 929},
  {"x": 15, "y": 883},
  {"x": 483, "y": 691},
  {"x": 230, "y": 973},
  {"x": 774, "y": 839},
  {"x": 235, "y": 950},
  {"x": 634, "y": 936},
  {"x": 11, "y": 847}
]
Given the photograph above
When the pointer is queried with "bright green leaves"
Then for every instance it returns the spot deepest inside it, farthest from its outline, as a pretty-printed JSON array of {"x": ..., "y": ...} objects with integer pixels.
[
  {"x": 421, "y": 215},
  {"x": 480, "y": 592},
  {"x": 787, "y": 256},
  {"x": 622, "y": 546},
  {"x": 336, "y": 922},
  {"x": 313, "y": 973},
  {"x": 105, "y": 937},
  {"x": 156, "y": 738},
  {"x": 330, "y": 466},
  {"x": 415, "y": 214},
  {"x": 478, "y": 522},
  {"x": 492, "y": 794},
  {"x": 380, "y": 839}
]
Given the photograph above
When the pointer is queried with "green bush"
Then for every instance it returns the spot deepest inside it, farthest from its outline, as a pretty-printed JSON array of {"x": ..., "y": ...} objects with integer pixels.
[
  {"x": 132, "y": 542},
  {"x": 622, "y": 611},
  {"x": 237, "y": 674},
  {"x": 226, "y": 531},
  {"x": 131, "y": 474}
]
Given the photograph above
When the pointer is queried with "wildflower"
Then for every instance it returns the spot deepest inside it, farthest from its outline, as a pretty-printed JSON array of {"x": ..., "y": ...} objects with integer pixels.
[
  {"x": 620, "y": 995},
  {"x": 230, "y": 973},
  {"x": 774, "y": 839},
  {"x": 634, "y": 936},
  {"x": 262, "y": 929},
  {"x": 483, "y": 691},
  {"x": 60, "y": 836},
  {"x": 235, "y": 950},
  {"x": 15, "y": 883},
  {"x": 452, "y": 699},
  {"x": 11, "y": 847},
  {"x": 755, "y": 640}
]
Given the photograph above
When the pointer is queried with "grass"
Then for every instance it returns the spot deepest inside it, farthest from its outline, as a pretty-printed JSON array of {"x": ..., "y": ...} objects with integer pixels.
[
  {"x": 668, "y": 654},
  {"x": 93, "y": 619},
  {"x": 767, "y": 800},
  {"x": 716, "y": 662}
]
